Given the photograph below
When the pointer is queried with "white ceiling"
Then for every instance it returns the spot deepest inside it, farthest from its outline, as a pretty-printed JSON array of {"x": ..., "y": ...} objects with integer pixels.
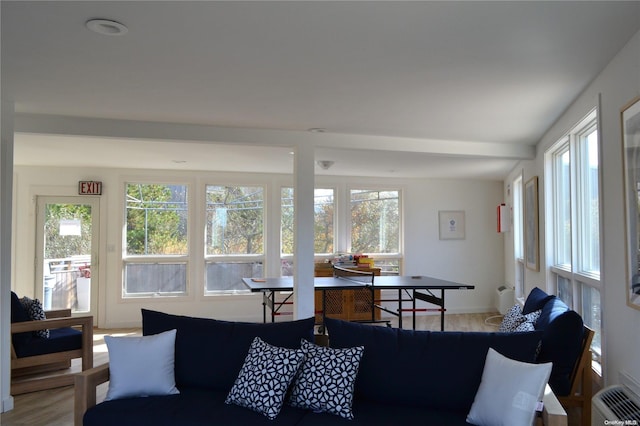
[{"x": 416, "y": 89}]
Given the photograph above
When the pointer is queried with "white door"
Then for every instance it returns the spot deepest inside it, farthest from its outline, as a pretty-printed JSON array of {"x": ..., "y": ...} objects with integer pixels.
[{"x": 67, "y": 232}]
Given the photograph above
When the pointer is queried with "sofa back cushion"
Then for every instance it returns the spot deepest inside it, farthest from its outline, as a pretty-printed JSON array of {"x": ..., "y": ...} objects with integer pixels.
[
  {"x": 210, "y": 353},
  {"x": 561, "y": 342},
  {"x": 19, "y": 314},
  {"x": 536, "y": 300},
  {"x": 439, "y": 370}
]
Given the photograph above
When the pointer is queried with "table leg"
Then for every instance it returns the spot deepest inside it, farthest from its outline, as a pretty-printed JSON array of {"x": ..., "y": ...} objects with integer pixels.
[
  {"x": 273, "y": 306},
  {"x": 442, "y": 311},
  {"x": 264, "y": 307},
  {"x": 324, "y": 311},
  {"x": 399, "y": 308},
  {"x": 414, "y": 309}
]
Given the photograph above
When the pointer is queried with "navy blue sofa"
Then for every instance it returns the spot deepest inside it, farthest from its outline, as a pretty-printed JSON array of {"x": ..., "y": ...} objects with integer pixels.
[
  {"x": 405, "y": 377},
  {"x": 562, "y": 334}
]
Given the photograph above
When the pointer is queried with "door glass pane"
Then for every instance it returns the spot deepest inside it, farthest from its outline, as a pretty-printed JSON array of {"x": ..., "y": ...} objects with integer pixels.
[{"x": 67, "y": 257}]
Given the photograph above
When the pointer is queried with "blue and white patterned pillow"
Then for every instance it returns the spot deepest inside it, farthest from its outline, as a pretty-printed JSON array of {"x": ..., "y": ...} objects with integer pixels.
[
  {"x": 36, "y": 313},
  {"x": 514, "y": 321},
  {"x": 326, "y": 380},
  {"x": 265, "y": 377}
]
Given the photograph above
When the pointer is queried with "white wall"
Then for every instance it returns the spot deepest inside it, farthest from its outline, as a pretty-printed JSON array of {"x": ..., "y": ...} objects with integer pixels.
[
  {"x": 478, "y": 259},
  {"x": 613, "y": 88}
]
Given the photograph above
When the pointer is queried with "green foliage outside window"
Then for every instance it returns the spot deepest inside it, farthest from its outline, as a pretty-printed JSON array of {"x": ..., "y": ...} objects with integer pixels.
[
  {"x": 156, "y": 219},
  {"x": 323, "y": 207},
  {"x": 235, "y": 220},
  {"x": 375, "y": 221},
  {"x": 61, "y": 246}
]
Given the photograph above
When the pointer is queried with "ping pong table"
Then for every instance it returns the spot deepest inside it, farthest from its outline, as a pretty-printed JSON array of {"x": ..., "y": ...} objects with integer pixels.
[{"x": 410, "y": 289}]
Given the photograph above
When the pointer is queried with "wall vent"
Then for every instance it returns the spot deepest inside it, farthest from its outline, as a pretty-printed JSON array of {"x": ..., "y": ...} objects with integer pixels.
[{"x": 614, "y": 403}]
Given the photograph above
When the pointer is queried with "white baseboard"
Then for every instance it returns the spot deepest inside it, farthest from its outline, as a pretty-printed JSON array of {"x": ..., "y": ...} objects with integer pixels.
[{"x": 7, "y": 404}]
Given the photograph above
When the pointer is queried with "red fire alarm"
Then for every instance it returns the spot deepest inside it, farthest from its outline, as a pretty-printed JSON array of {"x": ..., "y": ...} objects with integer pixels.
[{"x": 89, "y": 187}]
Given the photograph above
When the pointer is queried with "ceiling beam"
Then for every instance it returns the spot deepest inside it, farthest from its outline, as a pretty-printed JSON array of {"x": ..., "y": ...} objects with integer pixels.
[{"x": 176, "y": 132}]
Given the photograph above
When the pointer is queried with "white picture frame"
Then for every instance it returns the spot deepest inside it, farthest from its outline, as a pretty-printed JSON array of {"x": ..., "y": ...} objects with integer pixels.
[{"x": 451, "y": 224}]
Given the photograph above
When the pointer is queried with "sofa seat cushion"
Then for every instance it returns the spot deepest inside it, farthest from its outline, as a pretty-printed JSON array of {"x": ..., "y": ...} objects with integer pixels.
[
  {"x": 189, "y": 408},
  {"x": 438, "y": 370},
  {"x": 60, "y": 340},
  {"x": 210, "y": 353},
  {"x": 368, "y": 413}
]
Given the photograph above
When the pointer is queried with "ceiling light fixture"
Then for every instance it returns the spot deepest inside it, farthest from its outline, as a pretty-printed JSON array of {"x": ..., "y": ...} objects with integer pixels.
[
  {"x": 317, "y": 130},
  {"x": 325, "y": 164},
  {"x": 106, "y": 27}
]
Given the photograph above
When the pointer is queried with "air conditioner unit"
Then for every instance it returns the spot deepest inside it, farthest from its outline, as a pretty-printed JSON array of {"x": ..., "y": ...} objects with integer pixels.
[{"x": 615, "y": 405}]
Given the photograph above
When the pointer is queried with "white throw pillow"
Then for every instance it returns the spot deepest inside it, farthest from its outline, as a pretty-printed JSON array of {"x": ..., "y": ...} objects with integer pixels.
[
  {"x": 141, "y": 366},
  {"x": 509, "y": 391}
]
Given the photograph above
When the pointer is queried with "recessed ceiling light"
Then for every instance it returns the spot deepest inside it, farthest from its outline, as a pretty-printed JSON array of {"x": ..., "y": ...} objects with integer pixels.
[
  {"x": 179, "y": 161},
  {"x": 317, "y": 130},
  {"x": 106, "y": 27}
]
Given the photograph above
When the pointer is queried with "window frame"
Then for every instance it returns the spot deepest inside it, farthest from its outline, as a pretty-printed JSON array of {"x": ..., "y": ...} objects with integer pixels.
[
  {"x": 577, "y": 279},
  {"x": 137, "y": 259},
  {"x": 234, "y": 258}
]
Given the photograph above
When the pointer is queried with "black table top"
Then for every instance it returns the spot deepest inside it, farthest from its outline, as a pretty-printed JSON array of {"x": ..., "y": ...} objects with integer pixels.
[{"x": 390, "y": 282}]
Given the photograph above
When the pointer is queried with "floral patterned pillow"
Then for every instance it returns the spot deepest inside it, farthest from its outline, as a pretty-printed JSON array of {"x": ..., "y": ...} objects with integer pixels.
[
  {"x": 326, "y": 380},
  {"x": 265, "y": 377}
]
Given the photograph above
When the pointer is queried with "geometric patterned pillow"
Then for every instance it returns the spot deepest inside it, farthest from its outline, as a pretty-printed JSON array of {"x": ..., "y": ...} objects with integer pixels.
[
  {"x": 265, "y": 377},
  {"x": 326, "y": 380},
  {"x": 512, "y": 319},
  {"x": 36, "y": 313}
]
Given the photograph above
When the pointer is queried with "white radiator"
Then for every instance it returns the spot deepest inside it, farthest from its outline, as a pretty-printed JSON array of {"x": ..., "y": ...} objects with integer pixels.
[{"x": 615, "y": 405}]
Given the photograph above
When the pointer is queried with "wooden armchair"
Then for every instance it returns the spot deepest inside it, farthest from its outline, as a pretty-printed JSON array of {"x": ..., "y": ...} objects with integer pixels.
[
  {"x": 581, "y": 381},
  {"x": 35, "y": 356}
]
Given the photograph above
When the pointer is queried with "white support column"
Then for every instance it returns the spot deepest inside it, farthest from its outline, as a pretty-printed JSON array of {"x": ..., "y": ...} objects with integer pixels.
[
  {"x": 304, "y": 175},
  {"x": 6, "y": 191}
]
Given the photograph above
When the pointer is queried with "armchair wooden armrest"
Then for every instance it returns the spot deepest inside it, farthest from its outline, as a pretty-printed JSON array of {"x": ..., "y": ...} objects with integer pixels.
[
  {"x": 86, "y": 323},
  {"x": 85, "y": 390},
  {"x": 553, "y": 414},
  {"x": 58, "y": 313}
]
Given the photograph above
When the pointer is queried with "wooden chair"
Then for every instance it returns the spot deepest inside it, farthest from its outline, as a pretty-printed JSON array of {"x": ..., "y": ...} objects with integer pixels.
[
  {"x": 581, "y": 381},
  {"x": 28, "y": 373}
]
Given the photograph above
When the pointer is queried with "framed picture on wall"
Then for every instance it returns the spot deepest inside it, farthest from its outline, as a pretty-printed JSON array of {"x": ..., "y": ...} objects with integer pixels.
[
  {"x": 630, "y": 123},
  {"x": 531, "y": 243},
  {"x": 451, "y": 224}
]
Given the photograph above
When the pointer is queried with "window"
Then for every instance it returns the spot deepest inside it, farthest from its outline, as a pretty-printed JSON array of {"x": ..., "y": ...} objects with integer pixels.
[
  {"x": 518, "y": 235},
  {"x": 234, "y": 241},
  {"x": 324, "y": 211},
  {"x": 156, "y": 248},
  {"x": 572, "y": 165},
  {"x": 324, "y": 217},
  {"x": 375, "y": 226}
]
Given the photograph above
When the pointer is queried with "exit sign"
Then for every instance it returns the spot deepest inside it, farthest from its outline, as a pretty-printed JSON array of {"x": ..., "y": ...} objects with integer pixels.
[{"x": 89, "y": 187}]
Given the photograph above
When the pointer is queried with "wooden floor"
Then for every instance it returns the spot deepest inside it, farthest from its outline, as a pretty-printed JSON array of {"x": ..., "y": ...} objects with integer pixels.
[{"x": 55, "y": 407}]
